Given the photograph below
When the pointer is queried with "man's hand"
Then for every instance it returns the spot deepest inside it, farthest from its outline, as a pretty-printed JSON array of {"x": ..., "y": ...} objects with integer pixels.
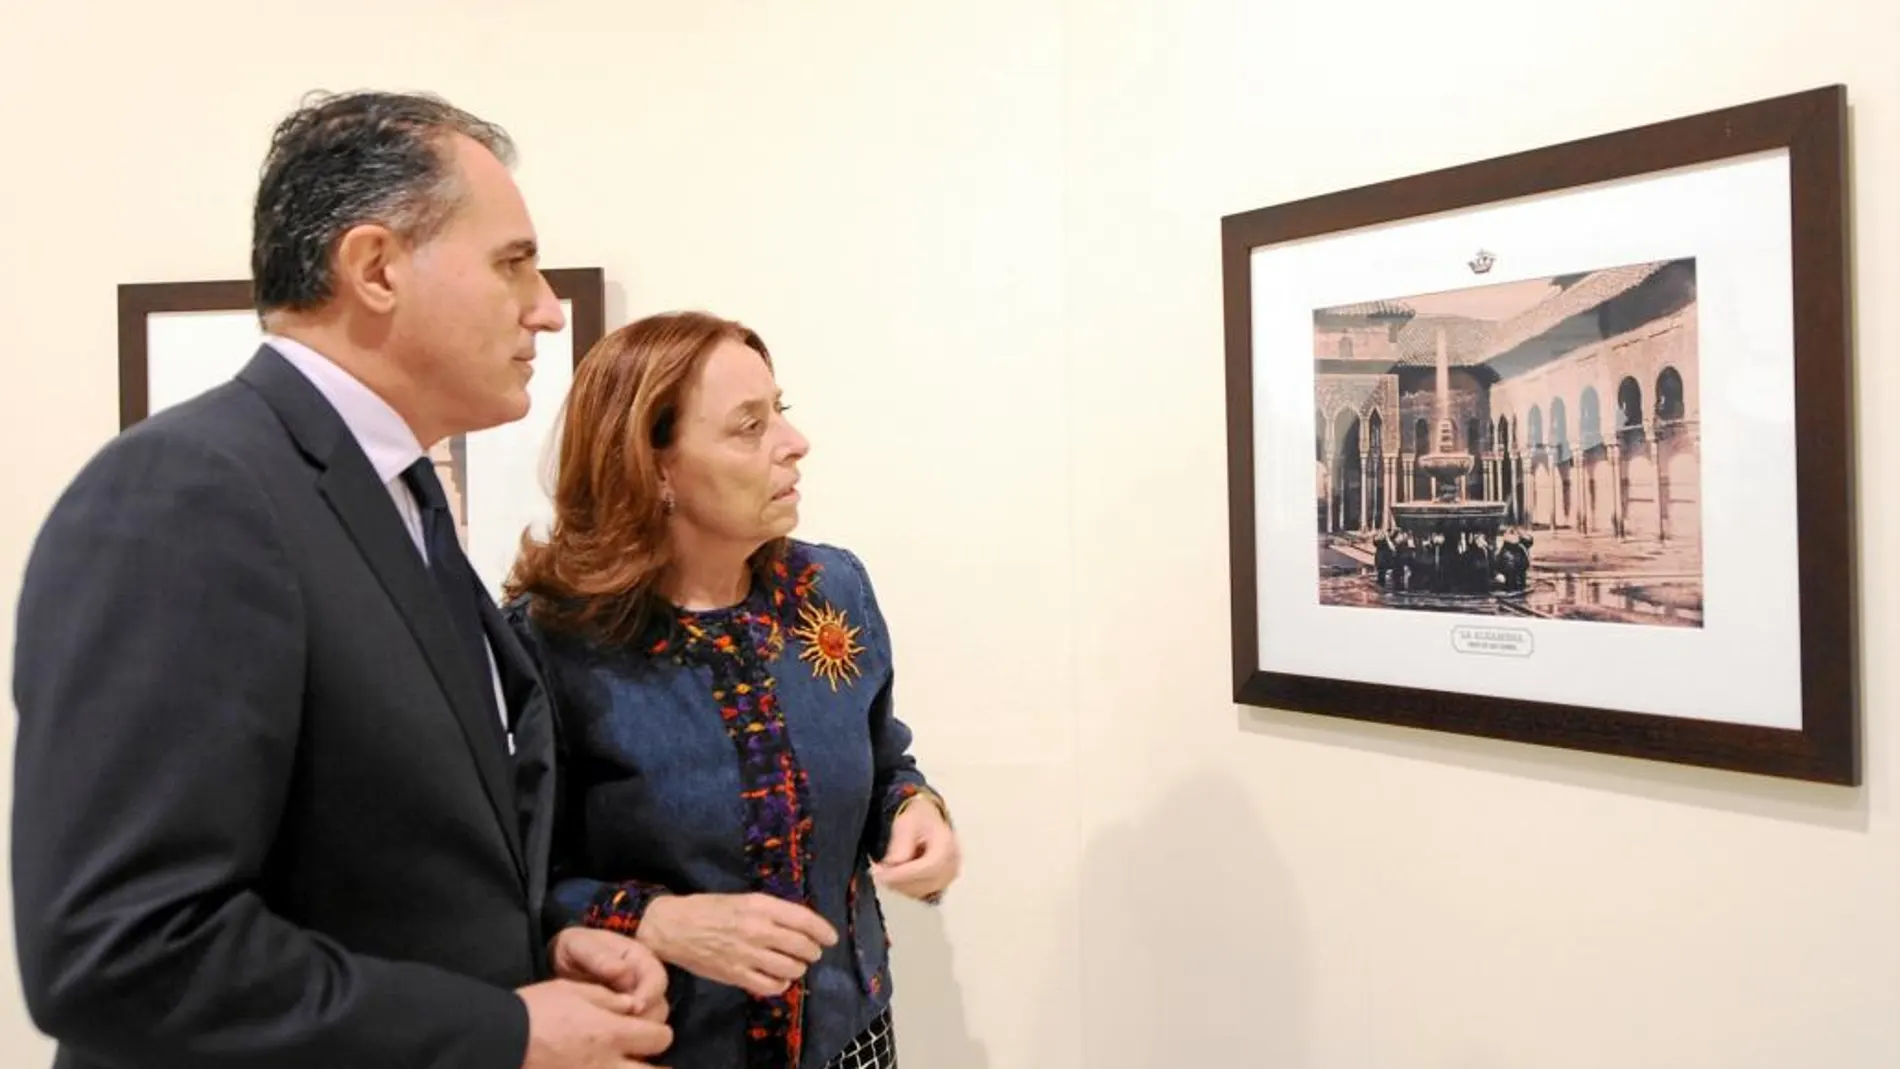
[
  {"x": 923, "y": 858},
  {"x": 575, "y": 1025},
  {"x": 616, "y": 962}
]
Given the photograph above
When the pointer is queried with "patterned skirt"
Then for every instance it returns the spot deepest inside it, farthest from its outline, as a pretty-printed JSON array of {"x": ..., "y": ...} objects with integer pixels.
[{"x": 875, "y": 1048}]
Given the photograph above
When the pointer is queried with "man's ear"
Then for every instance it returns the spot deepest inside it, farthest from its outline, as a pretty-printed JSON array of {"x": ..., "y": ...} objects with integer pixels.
[{"x": 364, "y": 258}]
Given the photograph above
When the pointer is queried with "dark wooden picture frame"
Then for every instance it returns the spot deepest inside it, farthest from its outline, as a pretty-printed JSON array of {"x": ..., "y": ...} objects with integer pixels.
[
  {"x": 583, "y": 287},
  {"x": 1812, "y": 129}
]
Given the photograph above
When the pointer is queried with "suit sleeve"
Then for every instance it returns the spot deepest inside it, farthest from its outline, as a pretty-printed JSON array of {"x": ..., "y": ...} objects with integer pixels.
[
  {"x": 159, "y": 678},
  {"x": 897, "y": 779}
]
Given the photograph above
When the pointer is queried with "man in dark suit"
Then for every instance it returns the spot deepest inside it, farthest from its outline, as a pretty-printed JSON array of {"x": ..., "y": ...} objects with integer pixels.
[{"x": 284, "y": 780}]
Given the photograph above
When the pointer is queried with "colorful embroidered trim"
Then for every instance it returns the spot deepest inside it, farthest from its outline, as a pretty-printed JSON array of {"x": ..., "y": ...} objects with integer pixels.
[{"x": 738, "y": 648}]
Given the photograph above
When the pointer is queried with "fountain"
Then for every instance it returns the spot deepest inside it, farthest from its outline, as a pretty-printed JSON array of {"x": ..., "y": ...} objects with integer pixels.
[{"x": 1451, "y": 546}]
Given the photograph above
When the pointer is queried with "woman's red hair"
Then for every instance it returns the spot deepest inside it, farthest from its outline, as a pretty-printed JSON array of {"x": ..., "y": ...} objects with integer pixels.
[{"x": 595, "y": 574}]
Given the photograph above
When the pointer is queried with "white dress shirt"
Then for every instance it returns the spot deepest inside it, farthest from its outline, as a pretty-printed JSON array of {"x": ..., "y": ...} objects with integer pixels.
[{"x": 390, "y": 445}]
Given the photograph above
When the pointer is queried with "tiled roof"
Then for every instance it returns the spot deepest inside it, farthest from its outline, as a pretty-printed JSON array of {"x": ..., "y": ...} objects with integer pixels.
[
  {"x": 1593, "y": 289},
  {"x": 1371, "y": 310},
  {"x": 1470, "y": 342},
  {"x": 1465, "y": 341}
]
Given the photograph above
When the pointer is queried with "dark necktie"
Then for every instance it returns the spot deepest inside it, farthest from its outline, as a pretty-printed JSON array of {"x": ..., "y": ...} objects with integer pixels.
[{"x": 454, "y": 578}]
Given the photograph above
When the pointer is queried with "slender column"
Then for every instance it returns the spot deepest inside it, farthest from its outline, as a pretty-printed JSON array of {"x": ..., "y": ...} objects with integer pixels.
[
  {"x": 1391, "y": 485},
  {"x": 1365, "y": 490},
  {"x": 1617, "y": 504}
]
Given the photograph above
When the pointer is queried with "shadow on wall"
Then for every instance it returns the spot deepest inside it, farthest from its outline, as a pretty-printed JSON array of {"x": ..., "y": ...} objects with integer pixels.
[
  {"x": 1192, "y": 940},
  {"x": 933, "y": 1030},
  {"x": 1793, "y": 801}
]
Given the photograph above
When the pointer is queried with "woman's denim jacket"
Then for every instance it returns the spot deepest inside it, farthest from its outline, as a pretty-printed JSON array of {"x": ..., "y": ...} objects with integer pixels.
[{"x": 653, "y": 800}]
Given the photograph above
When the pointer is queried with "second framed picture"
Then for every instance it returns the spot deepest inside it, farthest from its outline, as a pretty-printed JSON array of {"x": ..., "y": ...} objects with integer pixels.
[
  {"x": 178, "y": 339},
  {"x": 1555, "y": 447}
]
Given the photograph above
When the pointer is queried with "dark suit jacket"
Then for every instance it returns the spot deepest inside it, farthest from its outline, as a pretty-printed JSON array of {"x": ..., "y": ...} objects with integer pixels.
[{"x": 261, "y": 818}]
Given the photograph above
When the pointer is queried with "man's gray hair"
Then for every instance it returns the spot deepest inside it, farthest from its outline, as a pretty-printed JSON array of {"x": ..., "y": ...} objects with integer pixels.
[{"x": 341, "y": 161}]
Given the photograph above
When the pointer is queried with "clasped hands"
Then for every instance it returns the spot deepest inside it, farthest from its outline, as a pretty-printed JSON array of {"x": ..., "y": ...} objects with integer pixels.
[{"x": 606, "y": 1008}]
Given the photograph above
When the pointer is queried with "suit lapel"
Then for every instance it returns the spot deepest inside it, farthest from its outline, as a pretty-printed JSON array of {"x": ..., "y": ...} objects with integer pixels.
[{"x": 362, "y": 504}]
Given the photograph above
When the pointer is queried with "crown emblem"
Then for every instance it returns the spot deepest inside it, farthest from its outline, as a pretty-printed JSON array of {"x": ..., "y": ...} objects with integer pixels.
[{"x": 1482, "y": 262}]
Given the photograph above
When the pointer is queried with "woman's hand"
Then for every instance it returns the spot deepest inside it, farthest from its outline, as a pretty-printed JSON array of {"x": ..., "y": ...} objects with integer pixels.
[
  {"x": 923, "y": 858},
  {"x": 751, "y": 941}
]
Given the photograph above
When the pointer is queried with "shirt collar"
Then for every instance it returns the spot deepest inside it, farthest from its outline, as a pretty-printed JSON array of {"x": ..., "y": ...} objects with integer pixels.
[{"x": 381, "y": 433}]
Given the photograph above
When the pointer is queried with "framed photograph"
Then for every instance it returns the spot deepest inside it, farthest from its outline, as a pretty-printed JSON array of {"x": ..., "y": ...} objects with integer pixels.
[
  {"x": 1555, "y": 447},
  {"x": 179, "y": 339}
]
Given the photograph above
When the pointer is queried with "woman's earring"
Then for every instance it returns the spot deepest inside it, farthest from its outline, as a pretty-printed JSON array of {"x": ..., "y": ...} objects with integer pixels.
[{"x": 666, "y": 502}]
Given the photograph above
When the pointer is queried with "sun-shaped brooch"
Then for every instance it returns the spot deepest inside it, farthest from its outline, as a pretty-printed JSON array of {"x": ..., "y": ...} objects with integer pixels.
[{"x": 830, "y": 643}]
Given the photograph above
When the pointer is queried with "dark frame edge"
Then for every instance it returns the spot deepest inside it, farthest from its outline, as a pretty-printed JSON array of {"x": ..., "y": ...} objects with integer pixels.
[
  {"x": 586, "y": 287},
  {"x": 140, "y": 300},
  {"x": 1825, "y": 469},
  {"x": 1244, "y": 591}
]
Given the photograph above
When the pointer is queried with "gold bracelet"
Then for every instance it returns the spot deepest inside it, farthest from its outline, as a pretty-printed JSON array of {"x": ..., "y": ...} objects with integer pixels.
[{"x": 933, "y": 797}]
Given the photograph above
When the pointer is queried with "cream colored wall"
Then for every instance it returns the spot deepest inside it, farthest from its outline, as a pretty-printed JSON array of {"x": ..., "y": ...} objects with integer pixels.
[{"x": 984, "y": 239}]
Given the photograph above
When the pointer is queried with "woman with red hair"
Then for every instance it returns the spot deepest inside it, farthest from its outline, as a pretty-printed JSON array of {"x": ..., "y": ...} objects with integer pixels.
[{"x": 733, "y": 773}]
